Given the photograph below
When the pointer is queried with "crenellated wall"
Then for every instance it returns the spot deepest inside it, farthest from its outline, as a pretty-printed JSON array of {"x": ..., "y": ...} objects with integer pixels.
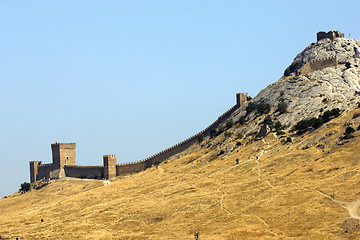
[
  {"x": 64, "y": 161},
  {"x": 318, "y": 64}
]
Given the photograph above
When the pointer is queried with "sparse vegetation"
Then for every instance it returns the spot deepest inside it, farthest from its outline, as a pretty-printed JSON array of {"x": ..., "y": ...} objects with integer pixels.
[
  {"x": 358, "y": 128},
  {"x": 25, "y": 187},
  {"x": 278, "y": 126},
  {"x": 157, "y": 162},
  {"x": 348, "y": 132},
  {"x": 305, "y": 124},
  {"x": 268, "y": 121},
  {"x": 280, "y": 133},
  {"x": 348, "y": 65},
  {"x": 227, "y": 134},
  {"x": 292, "y": 68},
  {"x": 200, "y": 138},
  {"x": 239, "y": 136},
  {"x": 213, "y": 132},
  {"x": 282, "y": 107},
  {"x": 260, "y": 108},
  {"x": 229, "y": 124},
  {"x": 241, "y": 120}
]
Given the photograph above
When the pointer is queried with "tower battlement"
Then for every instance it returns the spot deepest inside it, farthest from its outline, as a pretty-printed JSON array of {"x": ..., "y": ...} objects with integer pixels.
[{"x": 332, "y": 35}]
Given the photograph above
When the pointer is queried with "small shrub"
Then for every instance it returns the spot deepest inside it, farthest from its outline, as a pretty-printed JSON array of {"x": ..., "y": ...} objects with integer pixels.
[
  {"x": 356, "y": 65},
  {"x": 221, "y": 129},
  {"x": 282, "y": 107},
  {"x": 356, "y": 115},
  {"x": 349, "y": 130},
  {"x": 200, "y": 138},
  {"x": 280, "y": 133},
  {"x": 157, "y": 162},
  {"x": 229, "y": 124},
  {"x": 278, "y": 126},
  {"x": 213, "y": 132},
  {"x": 263, "y": 108},
  {"x": 25, "y": 187},
  {"x": 288, "y": 139},
  {"x": 227, "y": 134},
  {"x": 302, "y": 125},
  {"x": 358, "y": 128},
  {"x": 268, "y": 121},
  {"x": 238, "y": 143},
  {"x": 324, "y": 100},
  {"x": 251, "y": 107},
  {"x": 358, "y": 105},
  {"x": 239, "y": 136},
  {"x": 292, "y": 68},
  {"x": 241, "y": 120},
  {"x": 348, "y": 65},
  {"x": 316, "y": 122},
  {"x": 221, "y": 152}
]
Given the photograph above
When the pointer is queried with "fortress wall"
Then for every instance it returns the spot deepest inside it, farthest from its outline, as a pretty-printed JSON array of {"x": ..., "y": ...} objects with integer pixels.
[
  {"x": 130, "y": 168},
  {"x": 90, "y": 172},
  {"x": 44, "y": 171},
  {"x": 323, "y": 63},
  {"x": 171, "y": 151}
]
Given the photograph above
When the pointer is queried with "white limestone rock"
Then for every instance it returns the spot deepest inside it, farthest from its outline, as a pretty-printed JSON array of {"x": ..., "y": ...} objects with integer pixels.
[{"x": 320, "y": 90}]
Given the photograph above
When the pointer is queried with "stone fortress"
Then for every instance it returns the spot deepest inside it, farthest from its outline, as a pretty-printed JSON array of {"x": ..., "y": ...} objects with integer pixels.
[
  {"x": 64, "y": 157},
  {"x": 64, "y": 160},
  {"x": 318, "y": 64}
]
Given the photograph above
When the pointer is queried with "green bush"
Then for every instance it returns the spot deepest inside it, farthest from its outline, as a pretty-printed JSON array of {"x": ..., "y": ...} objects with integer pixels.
[
  {"x": 292, "y": 68},
  {"x": 260, "y": 108},
  {"x": 348, "y": 65},
  {"x": 221, "y": 152},
  {"x": 288, "y": 139},
  {"x": 358, "y": 128},
  {"x": 157, "y": 162},
  {"x": 278, "y": 126},
  {"x": 239, "y": 136},
  {"x": 349, "y": 130},
  {"x": 229, "y": 123},
  {"x": 263, "y": 108},
  {"x": 241, "y": 120},
  {"x": 251, "y": 107},
  {"x": 227, "y": 134},
  {"x": 279, "y": 133},
  {"x": 221, "y": 129},
  {"x": 268, "y": 121},
  {"x": 200, "y": 138},
  {"x": 25, "y": 187},
  {"x": 282, "y": 107},
  {"x": 213, "y": 132}
]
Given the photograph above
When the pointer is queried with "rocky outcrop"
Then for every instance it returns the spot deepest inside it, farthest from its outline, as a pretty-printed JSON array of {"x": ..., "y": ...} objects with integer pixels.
[{"x": 323, "y": 88}]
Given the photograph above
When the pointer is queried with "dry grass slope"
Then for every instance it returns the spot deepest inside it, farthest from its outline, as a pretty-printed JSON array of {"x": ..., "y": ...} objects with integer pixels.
[{"x": 277, "y": 191}]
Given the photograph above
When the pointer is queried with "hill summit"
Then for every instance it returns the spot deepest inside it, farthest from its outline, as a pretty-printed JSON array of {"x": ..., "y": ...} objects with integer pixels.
[{"x": 325, "y": 75}]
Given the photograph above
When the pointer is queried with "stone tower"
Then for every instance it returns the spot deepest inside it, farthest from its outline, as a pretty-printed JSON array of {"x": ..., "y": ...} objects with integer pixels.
[
  {"x": 241, "y": 98},
  {"x": 109, "y": 166},
  {"x": 63, "y": 154},
  {"x": 34, "y": 170}
]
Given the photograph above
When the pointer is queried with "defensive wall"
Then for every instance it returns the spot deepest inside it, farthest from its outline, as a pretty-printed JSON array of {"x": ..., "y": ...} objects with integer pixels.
[
  {"x": 91, "y": 172},
  {"x": 64, "y": 158},
  {"x": 318, "y": 64}
]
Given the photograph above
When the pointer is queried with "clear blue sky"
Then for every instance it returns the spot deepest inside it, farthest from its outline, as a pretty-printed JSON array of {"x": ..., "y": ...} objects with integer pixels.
[{"x": 134, "y": 77}]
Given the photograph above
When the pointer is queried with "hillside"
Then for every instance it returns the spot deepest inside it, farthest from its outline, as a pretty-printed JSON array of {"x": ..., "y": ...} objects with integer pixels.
[
  {"x": 295, "y": 180},
  {"x": 277, "y": 191}
]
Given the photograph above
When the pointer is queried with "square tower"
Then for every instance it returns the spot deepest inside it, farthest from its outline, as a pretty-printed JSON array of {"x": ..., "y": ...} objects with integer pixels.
[
  {"x": 109, "y": 166},
  {"x": 63, "y": 154}
]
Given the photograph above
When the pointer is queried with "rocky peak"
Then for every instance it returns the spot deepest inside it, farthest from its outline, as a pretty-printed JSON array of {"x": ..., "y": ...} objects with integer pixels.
[{"x": 325, "y": 75}]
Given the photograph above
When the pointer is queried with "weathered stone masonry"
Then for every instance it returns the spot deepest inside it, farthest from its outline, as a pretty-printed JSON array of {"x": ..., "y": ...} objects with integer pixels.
[{"x": 64, "y": 157}]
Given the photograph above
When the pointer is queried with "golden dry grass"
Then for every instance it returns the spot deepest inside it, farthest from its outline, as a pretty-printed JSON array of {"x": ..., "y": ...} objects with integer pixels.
[{"x": 278, "y": 191}]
